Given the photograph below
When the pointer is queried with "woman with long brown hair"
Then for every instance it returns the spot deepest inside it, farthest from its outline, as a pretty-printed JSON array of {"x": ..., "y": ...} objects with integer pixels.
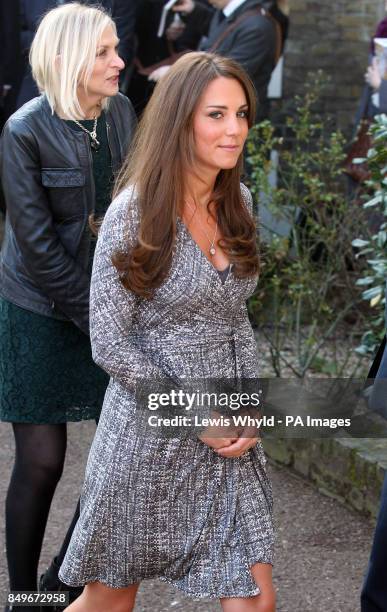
[{"x": 175, "y": 261}]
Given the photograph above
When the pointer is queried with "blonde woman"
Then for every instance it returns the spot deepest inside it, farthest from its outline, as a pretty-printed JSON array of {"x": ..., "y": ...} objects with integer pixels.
[
  {"x": 59, "y": 155},
  {"x": 176, "y": 260}
]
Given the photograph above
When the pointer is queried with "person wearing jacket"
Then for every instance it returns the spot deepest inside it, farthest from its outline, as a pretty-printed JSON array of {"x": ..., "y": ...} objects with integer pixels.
[
  {"x": 152, "y": 49},
  {"x": 251, "y": 40},
  {"x": 123, "y": 13},
  {"x": 59, "y": 154}
]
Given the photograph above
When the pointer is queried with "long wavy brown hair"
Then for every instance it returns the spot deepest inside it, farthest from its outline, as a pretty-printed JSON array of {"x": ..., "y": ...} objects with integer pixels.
[{"x": 162, "y": 150}]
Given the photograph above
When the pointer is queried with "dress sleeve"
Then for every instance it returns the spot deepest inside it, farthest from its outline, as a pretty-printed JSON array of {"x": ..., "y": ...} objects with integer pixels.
[
  {"x": 112, "y": 307},
  {"x": 248, "y": 352}
]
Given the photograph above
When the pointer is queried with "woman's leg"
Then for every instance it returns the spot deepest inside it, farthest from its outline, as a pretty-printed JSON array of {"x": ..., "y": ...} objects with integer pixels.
[
  {"x": 100, "y": 598},
  {"x": 49, "y": 581},
  {"x": 40, "y": 452},
  {"x": 264, "y": 602}
]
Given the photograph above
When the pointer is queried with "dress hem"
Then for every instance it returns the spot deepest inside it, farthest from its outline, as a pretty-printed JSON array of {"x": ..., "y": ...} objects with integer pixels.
[{"x": 252, "y": 593}]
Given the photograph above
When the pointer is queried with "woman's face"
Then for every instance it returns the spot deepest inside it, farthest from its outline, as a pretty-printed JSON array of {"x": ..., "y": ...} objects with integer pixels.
[
  {"x": 220, "y": 124},
  {"x": 103, "y": 81}
]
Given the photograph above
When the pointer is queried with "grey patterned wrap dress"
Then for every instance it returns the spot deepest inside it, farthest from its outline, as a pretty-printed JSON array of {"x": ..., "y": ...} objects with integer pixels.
[{"x": 154, "y": 506}]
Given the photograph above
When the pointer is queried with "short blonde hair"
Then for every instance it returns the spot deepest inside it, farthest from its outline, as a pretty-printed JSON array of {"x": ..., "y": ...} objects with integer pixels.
[{"x": 72, "y": 33}]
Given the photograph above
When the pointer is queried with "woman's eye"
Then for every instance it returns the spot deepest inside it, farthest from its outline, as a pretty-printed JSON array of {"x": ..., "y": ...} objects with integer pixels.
[
  {"x": 216, "y": 115},
  {"x": 101, "y": 53},
  {"x": 242, "y": 114}
]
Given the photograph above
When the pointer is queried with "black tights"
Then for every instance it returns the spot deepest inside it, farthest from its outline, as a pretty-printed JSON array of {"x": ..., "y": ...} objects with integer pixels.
[{"x": 40, "y": 454}]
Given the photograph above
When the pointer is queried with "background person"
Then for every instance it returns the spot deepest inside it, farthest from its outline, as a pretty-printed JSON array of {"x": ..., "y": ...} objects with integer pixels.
[
  {"x": 152, "y": 49},
  {"x": 58, "y": 157},
  {"x": 242, "y": 30},
  {"x": 175, "y": 262}
]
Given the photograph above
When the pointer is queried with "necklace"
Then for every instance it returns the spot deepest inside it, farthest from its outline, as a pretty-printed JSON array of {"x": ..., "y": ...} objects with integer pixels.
[
  {"x": 94, "y": 143},
  {"x": 212, "y": 242}
]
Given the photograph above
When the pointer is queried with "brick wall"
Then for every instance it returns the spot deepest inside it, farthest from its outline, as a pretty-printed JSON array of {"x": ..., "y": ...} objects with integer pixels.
[{"x": 332, "y": 35}]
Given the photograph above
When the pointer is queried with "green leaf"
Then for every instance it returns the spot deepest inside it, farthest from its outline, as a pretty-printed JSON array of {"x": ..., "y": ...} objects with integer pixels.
[
  {"x": 371, "y": 293},
  {"x": 367, "y": 280},
  {"x": 359, "y": 243},
  {"x": 376, "y": 200}
]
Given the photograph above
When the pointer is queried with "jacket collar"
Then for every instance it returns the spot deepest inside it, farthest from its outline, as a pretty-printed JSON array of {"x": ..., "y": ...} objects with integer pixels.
[
  {"x": 62, "y": 125},
  {"x": 232, "y": 6},
  {"x": 246, "y": 6}
]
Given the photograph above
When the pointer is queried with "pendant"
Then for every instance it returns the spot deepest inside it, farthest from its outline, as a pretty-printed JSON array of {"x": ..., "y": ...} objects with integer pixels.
[
  {"x": 94, "y": 145},
  {"x": 212, "y": 251}
]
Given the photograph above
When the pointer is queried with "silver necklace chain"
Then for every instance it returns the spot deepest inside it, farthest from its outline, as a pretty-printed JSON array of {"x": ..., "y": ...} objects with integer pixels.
[
  {"x": 93, "y": 133},
  {"x": 212, "y": 242}
]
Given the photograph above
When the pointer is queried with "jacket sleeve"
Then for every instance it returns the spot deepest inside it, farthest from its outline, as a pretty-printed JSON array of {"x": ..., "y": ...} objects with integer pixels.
[
  {"x": 255, "y": 44},
  {"x": 112, "y": 307},
  {"x": 248, "y": 353},
  {"x": 54, "y": 271}
]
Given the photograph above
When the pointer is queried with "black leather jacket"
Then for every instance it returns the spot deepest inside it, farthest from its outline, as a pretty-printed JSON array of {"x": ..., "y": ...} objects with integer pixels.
[{"x": 47, "y": 178}]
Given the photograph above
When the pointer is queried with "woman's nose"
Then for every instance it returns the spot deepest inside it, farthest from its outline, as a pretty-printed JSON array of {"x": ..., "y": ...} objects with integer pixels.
[
  {"x": 233, "y": 126},
  {"x": 118, "y": 62}
]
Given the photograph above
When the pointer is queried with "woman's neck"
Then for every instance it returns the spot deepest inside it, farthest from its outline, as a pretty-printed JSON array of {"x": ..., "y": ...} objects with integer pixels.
[
  {"x": 91, "y": 106},
  {"x": 199, "y": 190}
]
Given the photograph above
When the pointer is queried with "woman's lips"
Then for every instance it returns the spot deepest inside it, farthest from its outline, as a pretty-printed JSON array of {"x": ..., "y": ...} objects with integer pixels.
[{"x": 229, "y": 147}]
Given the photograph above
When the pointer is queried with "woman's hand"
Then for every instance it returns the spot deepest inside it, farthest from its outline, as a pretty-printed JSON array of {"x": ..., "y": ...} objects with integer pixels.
[
  {"x": 247, "y": 438},
  {"x": 158, "y": 73},
  {"x": 219, "y": 436},
  {"x": 372, "y": 76},
  {"x": 242, "y": 445},
  {"x": 228, "y": 440}
]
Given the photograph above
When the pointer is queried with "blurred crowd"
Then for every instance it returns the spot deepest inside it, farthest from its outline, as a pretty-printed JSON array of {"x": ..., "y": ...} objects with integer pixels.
[{"x": 251, "y": 31}]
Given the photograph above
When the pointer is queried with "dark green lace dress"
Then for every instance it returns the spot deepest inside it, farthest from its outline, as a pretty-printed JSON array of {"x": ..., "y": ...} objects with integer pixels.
[{"x": 47, "y": 374}]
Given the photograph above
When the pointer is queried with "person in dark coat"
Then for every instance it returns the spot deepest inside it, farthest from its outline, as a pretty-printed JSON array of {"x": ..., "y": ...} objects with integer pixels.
[
  {"x": 122, "y": 11},
  {"x": 152, "y": 49},
  {"x": 253, "y": 42}
]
